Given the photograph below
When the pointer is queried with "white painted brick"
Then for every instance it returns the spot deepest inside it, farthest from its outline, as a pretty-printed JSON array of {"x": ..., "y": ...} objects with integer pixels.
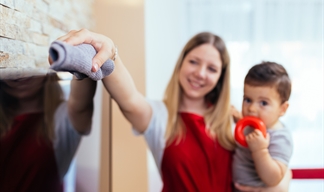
[
  {"x": 47, "y": 1},
  {"x": 40, "y": 16},
  {"x": 7, "y": 15},
  {"x": 35, "y": 26},
  {"x": 40, "y": 39},
  {"x": 25, "y": 6},
  {"x": 29, "y": 26},
  {"x": 42, "y": 62},
  {"x": 41, "y": 5},
  {"x": 21, "y": 34},
  {"x": 55, "y": 34},
  {"x": 7, "y": 3},
  {"x": 30, "y": 49},
  {"x": 12, "y": 46},
  {"x": 41, "y": 51},
  {"x": 16, "y": 60},
  {"x": 21, "y": 20},
  {"x": 8, "y": 30}
]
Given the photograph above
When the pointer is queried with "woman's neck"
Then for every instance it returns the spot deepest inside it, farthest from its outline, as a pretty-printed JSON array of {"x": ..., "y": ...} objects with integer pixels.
[
  {"x": 31, "y": 105},
  {"x": 193, "y": 106}
]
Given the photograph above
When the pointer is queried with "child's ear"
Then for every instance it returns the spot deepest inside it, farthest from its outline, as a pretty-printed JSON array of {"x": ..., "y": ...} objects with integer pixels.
[{"x": 283, "y": 108}]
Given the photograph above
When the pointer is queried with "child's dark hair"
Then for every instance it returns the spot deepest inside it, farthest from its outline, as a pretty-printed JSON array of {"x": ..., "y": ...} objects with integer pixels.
[{"x": 270, "y": 74}]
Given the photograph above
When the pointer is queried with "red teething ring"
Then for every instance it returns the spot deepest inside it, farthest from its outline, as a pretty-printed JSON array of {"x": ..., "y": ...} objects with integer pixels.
[{"x": 254, "y": 122}]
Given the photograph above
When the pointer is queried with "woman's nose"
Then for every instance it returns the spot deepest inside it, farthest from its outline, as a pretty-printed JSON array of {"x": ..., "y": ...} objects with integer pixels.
[{"x": 201, "y": 71}]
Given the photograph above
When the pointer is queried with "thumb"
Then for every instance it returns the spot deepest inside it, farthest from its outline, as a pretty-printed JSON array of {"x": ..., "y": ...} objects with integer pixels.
[
  {"x": 50, "y": 60},
  {"x": 98, "y": 61},
  {"x": 101, "y": 57}
]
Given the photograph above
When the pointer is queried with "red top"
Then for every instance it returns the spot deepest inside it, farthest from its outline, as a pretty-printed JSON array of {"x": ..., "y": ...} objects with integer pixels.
[
  {"x": 27, "y": 161},
  {"x": 198, "y": 163}
]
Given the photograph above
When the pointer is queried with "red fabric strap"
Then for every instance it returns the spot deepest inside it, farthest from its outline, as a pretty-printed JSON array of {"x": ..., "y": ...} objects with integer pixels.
[{"x": 316, "y": 173}]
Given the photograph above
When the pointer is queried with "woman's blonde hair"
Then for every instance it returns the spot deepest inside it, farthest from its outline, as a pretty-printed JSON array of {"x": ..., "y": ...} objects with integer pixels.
[
  {"x": 218, "y": 116},
  {"x": 52, "y": 96}
]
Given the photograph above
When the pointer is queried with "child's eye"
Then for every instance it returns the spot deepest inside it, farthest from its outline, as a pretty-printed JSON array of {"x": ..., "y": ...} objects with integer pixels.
[
  {"x": 247, "y": 100},
  {"x": 264, "y": 103}
]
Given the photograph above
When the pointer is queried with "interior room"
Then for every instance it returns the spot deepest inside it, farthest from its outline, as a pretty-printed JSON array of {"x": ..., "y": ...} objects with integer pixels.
[{"x": 150, "y": 35}]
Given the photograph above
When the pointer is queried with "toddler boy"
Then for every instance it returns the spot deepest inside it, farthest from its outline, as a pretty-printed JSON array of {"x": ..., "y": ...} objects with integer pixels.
[{"x": 267, "y": 88}]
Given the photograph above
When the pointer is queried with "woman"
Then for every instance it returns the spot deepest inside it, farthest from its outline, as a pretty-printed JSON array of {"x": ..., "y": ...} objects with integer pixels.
[
  {"x": 189, "y": 132},
  {"x": 39, "y": 132}
]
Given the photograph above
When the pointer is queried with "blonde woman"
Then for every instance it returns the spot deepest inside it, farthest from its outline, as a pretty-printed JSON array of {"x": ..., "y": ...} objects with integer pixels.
[
  {"x": 39, "y": 131},
  {"x": 189, "y": 132}
]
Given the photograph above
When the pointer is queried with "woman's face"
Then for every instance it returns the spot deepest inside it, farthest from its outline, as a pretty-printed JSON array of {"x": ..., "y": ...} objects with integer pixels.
[
  {"x": 200, "y": 71},
  {"x": 25, "y": 88}
]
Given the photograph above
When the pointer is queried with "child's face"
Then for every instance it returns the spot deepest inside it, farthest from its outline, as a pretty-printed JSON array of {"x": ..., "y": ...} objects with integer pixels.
[{"x": 263, "y": 102}]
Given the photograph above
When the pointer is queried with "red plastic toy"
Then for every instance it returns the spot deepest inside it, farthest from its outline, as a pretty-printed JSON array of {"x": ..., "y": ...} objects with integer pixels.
[{"x": 253, "y": 122}]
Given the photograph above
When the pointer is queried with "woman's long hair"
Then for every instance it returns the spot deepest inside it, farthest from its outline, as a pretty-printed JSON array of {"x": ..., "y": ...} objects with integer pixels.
[
  {"x": 218, "y": 116},
  {"x": 52, "y": 96}
]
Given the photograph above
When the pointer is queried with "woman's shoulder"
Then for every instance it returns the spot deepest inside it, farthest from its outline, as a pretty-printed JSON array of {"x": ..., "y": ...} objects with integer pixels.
[
  {"x": 158, "y": 107},
  {"x": 156, "y": 103}
]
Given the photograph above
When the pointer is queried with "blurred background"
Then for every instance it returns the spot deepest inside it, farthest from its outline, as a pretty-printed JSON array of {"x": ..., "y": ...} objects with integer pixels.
[
  {"x": 289, "y": 32},
  {"x": 150, "y": 35}
]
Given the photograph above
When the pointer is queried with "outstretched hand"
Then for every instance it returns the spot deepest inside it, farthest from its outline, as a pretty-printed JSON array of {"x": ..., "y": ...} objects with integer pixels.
[{"x": 103, "y": 45}]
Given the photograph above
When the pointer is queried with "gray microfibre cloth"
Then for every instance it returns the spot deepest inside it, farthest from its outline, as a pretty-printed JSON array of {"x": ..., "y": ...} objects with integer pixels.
[{"x": 78, "y": 60}]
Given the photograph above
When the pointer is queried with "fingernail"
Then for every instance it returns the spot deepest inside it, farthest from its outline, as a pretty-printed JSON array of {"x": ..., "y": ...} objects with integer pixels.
[{"x": 95, "y": 67}]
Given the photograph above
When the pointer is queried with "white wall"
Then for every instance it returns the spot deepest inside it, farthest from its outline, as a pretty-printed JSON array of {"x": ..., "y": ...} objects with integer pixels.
[{"x": 164, "y": 39}]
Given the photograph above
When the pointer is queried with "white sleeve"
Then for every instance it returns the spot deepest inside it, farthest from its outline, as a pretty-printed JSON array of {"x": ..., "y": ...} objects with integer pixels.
[
  {"x": 66, "y": 139},
  {"x": 155, "y": 132}
]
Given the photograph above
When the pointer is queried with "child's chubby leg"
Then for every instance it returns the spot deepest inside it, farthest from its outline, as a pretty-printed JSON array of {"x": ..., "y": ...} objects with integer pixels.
[{"x": 283, "y": 186}]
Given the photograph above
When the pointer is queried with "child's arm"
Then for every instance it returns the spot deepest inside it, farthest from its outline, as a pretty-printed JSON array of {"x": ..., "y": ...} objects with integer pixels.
[
  {"x": 80, "y": 104},
  {"x": 269, "y": 170}
]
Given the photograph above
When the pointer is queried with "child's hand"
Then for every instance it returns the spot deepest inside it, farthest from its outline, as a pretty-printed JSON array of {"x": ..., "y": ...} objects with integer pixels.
[{"x": 256, "y": 140}]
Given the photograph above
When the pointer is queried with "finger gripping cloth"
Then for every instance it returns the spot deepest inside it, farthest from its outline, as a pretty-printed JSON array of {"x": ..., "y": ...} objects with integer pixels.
[{"x": 78, "y": 60}]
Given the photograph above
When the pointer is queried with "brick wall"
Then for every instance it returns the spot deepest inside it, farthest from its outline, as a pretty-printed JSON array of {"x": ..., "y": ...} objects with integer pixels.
[{"x": 27, "y": 27}]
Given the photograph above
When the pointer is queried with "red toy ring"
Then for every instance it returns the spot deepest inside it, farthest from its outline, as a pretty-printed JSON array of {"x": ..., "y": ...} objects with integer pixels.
[{"x": 254, "y": 122}]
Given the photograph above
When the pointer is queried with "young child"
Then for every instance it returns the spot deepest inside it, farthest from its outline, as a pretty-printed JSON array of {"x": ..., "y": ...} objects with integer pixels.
[{"x": 264, "y": 163}]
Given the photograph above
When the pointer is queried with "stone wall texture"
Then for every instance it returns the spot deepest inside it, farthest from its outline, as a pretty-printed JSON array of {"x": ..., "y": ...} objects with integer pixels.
[{"x": 27, "y": 27}]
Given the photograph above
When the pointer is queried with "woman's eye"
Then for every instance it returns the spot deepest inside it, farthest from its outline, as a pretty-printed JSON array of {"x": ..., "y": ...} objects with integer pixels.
[
  {"x": 212, "y": 69},
  {"x": 264, "y": 103},
  {"x": 192, "y": 61}
]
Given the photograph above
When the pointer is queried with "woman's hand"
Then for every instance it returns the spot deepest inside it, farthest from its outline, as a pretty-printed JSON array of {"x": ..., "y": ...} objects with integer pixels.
[
  {"x": 283, "y": 186},
  {"x": 248, "y": 188},
  {"x": 104, "y": 45},
  {"x": 236, "y": 114}
]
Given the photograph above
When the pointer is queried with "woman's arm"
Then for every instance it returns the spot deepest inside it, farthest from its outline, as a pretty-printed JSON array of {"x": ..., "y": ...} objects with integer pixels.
[
  {"x": 131, "y": 102},
  {"x": 119, "y": 83},
  {"x": 80, "y": 104}
]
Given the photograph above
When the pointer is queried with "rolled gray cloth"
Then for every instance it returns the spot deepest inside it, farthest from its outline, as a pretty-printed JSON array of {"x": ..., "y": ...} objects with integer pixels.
[{"x": 78, "y": 60}]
